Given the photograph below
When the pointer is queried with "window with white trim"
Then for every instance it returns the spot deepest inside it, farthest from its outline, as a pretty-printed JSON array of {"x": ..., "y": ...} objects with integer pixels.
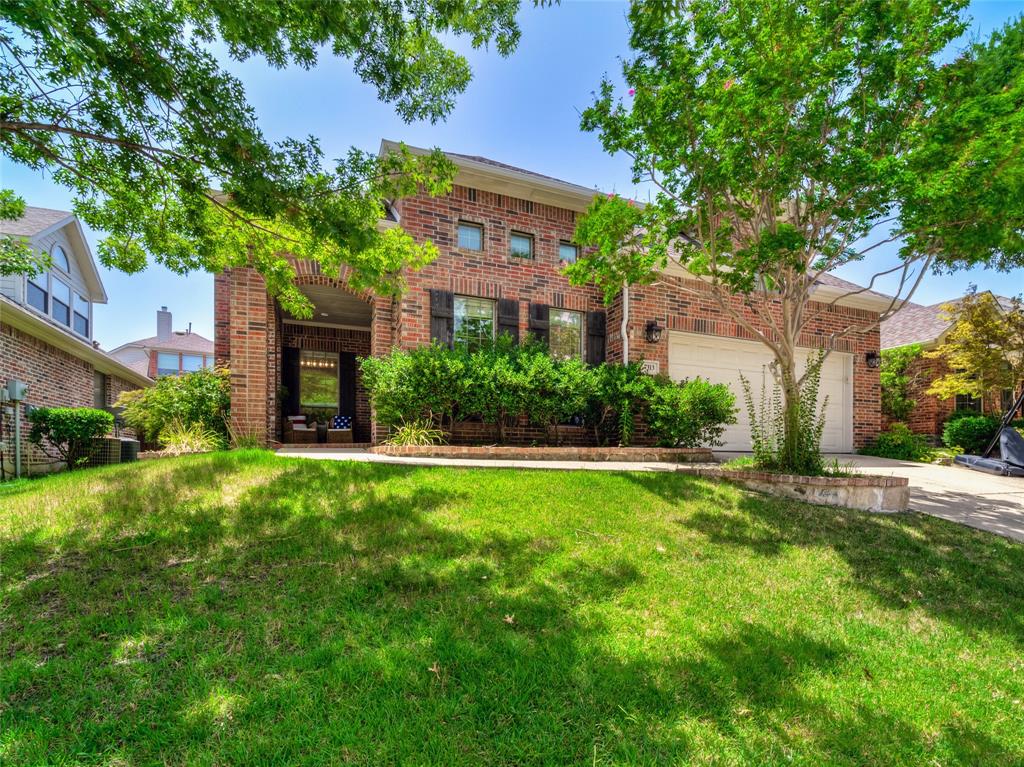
[
  {"x": 167, "y": 364},
  {"x": 565, "y": 333},
  {"x": 60, "y": 259},
  {"x": 191, "y": 363},
  {"x": 61, "y": 299},
  {"x": 81, "y": 315},
  {"x": 474, "y": 322},
  {"x": 37, "y": 294}
]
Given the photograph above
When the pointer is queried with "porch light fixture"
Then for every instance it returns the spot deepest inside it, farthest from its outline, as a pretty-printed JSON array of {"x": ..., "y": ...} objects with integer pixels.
[
  {"x": 874, "y": 359},
  {"x": 652, "y": 332}
]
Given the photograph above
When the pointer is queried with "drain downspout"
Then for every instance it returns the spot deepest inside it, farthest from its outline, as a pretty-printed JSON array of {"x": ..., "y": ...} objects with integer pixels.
[{"x": 625, "y": 323}]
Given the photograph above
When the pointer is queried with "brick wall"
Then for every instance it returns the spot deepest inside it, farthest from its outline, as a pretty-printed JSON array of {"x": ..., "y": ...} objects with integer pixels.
[{"x": 55, "y": 378}]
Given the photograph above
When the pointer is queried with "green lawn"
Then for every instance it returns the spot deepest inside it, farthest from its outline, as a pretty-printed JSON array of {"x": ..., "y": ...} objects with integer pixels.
[{"x": 244, "y": 608}]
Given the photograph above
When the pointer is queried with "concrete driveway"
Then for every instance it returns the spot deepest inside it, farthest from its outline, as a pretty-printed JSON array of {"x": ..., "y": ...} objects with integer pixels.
[{"x": 995, "y": 504}]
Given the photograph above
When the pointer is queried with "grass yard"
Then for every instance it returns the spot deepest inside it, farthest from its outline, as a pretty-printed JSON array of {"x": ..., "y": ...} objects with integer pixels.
[{"x": 245, "y": 608}]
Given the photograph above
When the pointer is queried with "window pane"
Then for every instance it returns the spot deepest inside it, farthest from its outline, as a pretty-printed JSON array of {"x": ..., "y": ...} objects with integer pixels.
[
  {"x": 81, "y": 305},
  {"x": 60, "y": 259},
  {"x": 521, "y": 245},
  {"x": 318, "y": 382},
  {"x": 565, "y": 336},
  {"x": 36, "y": 296},
  {"x": 191, "y": 362},
  {"x": 474, "y": 322},
  {"x": 61, "y": 312},
  {"x": 61, "y": 292},
  {"x": 471, "y": 237},
  {"x": 967, "y": 402},
  {"x": 166, "y": 364},
  {"x": 567, "y": 252},
  {"x": 81, "y": 325},
  {"x": 99, "y": 390}
]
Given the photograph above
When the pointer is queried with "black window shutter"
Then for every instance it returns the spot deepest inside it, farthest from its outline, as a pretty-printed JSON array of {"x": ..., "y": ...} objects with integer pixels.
[
  {"x": 508, "y": 317},
  {"x": 442, "y": 316},
  {"x": 347, "y": 385},
  {"x": 539, "y": 321},
  {"x": 290, "y": 379},
  {"x": 595, "y": 338}
]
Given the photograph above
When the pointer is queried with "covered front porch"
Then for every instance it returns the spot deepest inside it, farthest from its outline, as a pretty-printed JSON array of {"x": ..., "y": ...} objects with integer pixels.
[{"x": 320, "y": 399}]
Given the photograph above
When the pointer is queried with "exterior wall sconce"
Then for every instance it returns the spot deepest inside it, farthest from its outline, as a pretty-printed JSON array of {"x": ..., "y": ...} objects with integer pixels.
[
  {"x": 652, "y": 332},
  {"x": 874, "y": 359}
]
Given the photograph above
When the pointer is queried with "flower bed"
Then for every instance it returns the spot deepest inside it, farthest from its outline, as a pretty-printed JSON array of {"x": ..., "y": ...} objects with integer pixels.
[
  {"x": 884, "y": 495},
  {"x": 511, "y": 452}
]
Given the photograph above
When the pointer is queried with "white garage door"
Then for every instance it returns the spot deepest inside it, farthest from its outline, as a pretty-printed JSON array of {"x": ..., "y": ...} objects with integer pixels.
[{"x": 721, "y": 360}]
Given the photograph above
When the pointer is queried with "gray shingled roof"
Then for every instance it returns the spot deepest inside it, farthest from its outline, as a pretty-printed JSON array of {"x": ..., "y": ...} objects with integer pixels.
[
  {"x": 33, "y": 222},
  {"x": 179, "y": 341},
  {"x": 917, "y": 324}
]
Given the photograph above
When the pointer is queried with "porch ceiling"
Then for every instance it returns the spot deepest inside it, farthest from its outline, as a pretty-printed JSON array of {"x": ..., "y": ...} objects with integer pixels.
[{"x": 336, "y": 306}]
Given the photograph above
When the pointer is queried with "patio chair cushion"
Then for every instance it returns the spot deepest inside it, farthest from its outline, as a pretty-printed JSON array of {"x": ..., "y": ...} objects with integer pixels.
[{"x": 341, "y": 422}]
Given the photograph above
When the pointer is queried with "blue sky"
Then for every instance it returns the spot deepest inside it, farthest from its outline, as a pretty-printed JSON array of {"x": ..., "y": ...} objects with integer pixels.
[{"x": 523, "y": 110}]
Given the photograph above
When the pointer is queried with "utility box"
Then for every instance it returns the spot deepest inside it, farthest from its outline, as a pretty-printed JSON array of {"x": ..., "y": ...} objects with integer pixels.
[{"x": 17, "y": 390}]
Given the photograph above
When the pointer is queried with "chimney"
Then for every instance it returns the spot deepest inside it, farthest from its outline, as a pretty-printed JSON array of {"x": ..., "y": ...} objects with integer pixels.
[{"x": 163, "y": 323}]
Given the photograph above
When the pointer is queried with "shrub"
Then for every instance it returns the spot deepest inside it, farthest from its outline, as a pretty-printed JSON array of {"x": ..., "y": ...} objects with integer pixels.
[
  {"x": 69, "y": 431},
  {"x": 970, "y": 433},
  {"x": 424, "y": 384},
  {"x": 618, "y": 394},
  {"x": 896, "y": 382},
  {"x": 419, "y": 433},
  {"x": 901, "y": 443},
  {"x": 689, "y": 414},
  {"x": 202, "y": 397},
  {"x": 180, "y": 438}
]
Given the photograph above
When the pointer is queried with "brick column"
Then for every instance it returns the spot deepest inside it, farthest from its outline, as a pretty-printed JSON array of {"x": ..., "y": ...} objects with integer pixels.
[{"x": 384, "y": 327}]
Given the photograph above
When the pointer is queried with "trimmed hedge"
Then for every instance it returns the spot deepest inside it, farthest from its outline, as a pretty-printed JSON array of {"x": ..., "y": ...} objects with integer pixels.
[
  {"x": 503, "y": 383},
  {"x": 201, "y": 398},
  {"x": 69, "y": 431},
  {"x": 971, "y": 433},
  {"x": 900, "y": 443}
]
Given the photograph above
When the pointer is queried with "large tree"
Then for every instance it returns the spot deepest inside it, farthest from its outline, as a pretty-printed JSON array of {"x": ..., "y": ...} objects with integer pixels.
[
  {"x": 785, "y": 139},
  {"x": 129, "y": 106},
  {"x": 983, "y": 349}
]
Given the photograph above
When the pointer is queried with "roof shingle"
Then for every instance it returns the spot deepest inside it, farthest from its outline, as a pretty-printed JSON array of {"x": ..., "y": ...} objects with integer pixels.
[{"x": 34, "y": 221}]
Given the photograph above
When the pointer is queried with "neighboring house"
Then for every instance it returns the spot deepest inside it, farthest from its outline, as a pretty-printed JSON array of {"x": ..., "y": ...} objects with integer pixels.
[
  {"x": 46, "y": 328},
  {"x": 504, "y": 234},
  {"x": 927, "y": 326},
  {"x": 169, "y": 352}
]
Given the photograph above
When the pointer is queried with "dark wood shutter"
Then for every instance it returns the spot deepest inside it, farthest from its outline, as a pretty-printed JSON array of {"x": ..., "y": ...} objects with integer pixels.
[
  {"x": 290, "y": 380},
  {"x": 508, "y": 317},
  {"x": 347, "y": 385},
  {"x": 539, "y": 321},
  {"x": 596, "y": 337},
  {"x": 442, "y": 316}
]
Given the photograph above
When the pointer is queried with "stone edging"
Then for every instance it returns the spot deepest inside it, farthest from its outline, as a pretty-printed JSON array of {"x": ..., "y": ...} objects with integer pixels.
[
  {"x": 886, "y": 495},
  {"x": 511, "y": 452}
]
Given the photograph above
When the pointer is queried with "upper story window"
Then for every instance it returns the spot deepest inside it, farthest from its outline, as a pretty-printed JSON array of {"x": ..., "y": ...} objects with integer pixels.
[
  {"x": 474, "y": 322},
  {"x": 37, "y": 294},
  {"x": 567, "y": 252},
  {"x": 471, "y": 236},
  {"x": 520, "y": 245},
  {"x": 167, "y": 364},
  {"x": 81, "y": 315},
  {"x": 60, "y": 259},
  {"x": 565, "y": 334},
  {"x": 61, "y": 296},
  {"x": 192, "y": 362}
]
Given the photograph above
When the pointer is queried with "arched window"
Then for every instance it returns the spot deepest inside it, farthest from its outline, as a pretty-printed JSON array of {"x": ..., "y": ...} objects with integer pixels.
[{"x": 60, "y": 259}]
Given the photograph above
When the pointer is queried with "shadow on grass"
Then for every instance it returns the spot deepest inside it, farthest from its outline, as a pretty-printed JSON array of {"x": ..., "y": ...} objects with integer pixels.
[{"x": 321, "y": 613}]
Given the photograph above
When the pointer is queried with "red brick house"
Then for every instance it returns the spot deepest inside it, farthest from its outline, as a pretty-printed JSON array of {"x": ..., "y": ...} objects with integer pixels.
[
  {"x": 503, "y": 234},
  {"x": 927, "y": 326},
  {"x": 169, "y": 352},
  {"x": 46, "y": 330}
]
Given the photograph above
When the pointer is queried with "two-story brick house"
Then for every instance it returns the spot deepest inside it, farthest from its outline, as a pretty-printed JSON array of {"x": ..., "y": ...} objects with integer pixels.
[
  {"x": 504, "y": 235},
  {"x": 169, "y": 352},
  {"x": 46, "y": 329}
]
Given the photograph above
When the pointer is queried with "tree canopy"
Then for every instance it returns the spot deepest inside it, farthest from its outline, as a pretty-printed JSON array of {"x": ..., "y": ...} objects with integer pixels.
[
  {"x": 130, "y": 108},
  {"x": 983, "y": 349},
  {"x": 786, "y": 139}
]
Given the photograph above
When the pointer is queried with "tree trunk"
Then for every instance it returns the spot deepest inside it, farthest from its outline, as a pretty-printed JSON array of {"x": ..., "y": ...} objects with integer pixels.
[{"x": 791, "y": 451}]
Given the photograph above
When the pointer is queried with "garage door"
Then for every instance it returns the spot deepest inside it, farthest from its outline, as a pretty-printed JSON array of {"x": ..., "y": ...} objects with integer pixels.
[{"x": 721, "y": 360}]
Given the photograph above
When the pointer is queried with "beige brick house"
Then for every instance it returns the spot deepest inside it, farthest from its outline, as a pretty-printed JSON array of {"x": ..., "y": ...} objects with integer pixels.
[{"x": 504, "y": 234}]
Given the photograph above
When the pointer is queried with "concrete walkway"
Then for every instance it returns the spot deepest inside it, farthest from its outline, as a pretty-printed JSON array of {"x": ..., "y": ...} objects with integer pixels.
[{"x": 995, "y": 504}]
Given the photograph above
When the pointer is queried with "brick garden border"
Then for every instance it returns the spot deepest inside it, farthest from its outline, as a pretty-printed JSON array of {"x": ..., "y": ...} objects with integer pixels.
[{"x": 517, "y": 453}]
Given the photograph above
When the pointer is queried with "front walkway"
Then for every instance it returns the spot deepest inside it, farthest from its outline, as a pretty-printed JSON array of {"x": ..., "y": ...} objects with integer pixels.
[{"x": 995, "y": 504}]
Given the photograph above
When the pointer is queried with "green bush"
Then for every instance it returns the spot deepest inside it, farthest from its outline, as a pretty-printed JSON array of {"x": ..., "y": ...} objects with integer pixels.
[
  {"x": 424, "y": 384},
  {"x": 69, "y": 431},
  {"x": 901, "y": 443},
  {"x": 201, "y": 398},
  {"x": 970, "y": 433},
  {"x": 416, "y": 433},
  {"x": 689, "y": 414},
  {"x": 618, "y": 394},
  {"x": 897, "y": 382}
]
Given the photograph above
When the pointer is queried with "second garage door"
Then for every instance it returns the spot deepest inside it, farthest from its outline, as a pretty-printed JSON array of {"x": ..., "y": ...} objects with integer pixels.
[{"x": 721, "y": 360}]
